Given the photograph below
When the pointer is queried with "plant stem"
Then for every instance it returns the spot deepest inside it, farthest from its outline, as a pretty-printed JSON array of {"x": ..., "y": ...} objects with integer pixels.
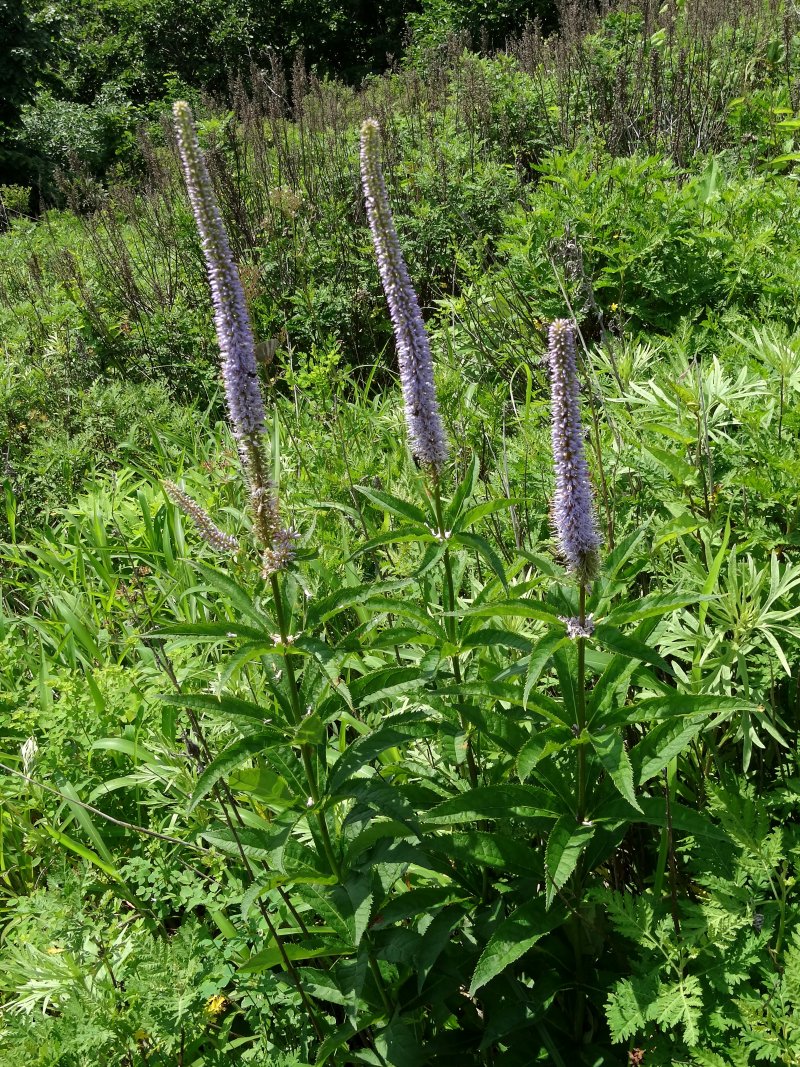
[
  {"x": 306, "y": 750},
  {"x": 580, "y": 702},
  {"x": 451, "y": 625}
]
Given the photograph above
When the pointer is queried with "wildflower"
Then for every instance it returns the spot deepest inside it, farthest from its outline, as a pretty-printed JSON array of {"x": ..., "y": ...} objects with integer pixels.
[
  {"x": 232, "y": 322},
  {"x": 573, "y": 513},
  {"x": 208, "y": 530},
  {"x": 577, "y": 627},
  {"x": 29, "y": 751},
  {"x": 425, "y": 430},
  {"x": 216, "y": 1005},
  {"x": 236, "y": 342}
]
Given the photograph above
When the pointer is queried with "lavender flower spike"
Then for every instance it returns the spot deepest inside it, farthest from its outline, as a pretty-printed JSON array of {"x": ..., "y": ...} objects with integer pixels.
[
  {"x": 573, "y": 510},
  {"x": 206, "y": 527},
  {"x": 232, "y": 322},
  {"x": 425, "y": 430}
]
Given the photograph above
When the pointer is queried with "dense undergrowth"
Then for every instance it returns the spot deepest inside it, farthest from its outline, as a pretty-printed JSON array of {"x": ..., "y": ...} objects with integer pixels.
[{"x": 351, "y": 832}]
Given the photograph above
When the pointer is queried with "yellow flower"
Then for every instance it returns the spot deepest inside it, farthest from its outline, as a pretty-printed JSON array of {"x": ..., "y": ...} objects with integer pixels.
[
  {"x": 614, "y": 307},
  {"x": 216, "y": 1005}
]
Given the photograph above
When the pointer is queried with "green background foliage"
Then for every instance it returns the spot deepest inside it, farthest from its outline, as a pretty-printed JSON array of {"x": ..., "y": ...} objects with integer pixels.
[{"x": 385, "y": 862}]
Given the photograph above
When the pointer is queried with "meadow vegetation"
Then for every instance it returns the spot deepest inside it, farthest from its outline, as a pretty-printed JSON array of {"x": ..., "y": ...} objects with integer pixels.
[{"x": 422, "y": 790}]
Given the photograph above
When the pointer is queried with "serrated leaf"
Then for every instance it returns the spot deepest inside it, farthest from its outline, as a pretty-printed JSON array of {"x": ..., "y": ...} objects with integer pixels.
[
  {"x": 683, "y": 473},
  {"x": 680, "y": 1004},
  {"x": 611, "y": 751},
  {"x": 647, "y": 607},
  {"x": 674, "y": 703},
  {"x": 627, "y": 645},
  {"x": 394, "y": 505},
  {"x": 228, "y": 706},
  {"x": 495, "y": 802},
  {"x": 395, "y": 731},
  {"x": 480, "y": 545},
  {"x": 224, "y": 763},
  {"x": 464, "y": 490},
  {"x": 543, "y": 743},
  {"x": 232, "y": 592},
  {"x": 223, "y": 630},
  {"x": 494, "y": 637},
  {"x": 480, "y": 511},
  {"x": 384, "y": 683},
  {"x": 523, "y": 609},
  {"x": 628, "y": 1006},
  {"x": 540, "y": 656},
  {"x": 512, "y": 939},
  {"x": 310, "y": 948},
  {"x": 662, "y": 744},
  {"x": 347, "y": 597},
  {"x": 392, "y": 537},
  {"x": 680, "y": 526},
  {"x": 566, "y": 842},
  {"x": 502, "y": 851}
]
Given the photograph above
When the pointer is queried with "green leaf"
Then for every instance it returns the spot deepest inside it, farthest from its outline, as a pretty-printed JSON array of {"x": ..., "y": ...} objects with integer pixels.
[
  {"x": 480, "y": 545},
  {"x": 513, "y": 937},
  {"x": 565, "y": 844},
  {"x": 656, "y": 604},
  {"x": 232, "y": 593},
  {"x": 494, "y": 637},
  {"x": 680, "y": 526},
  {"x": 228, "y": 706},
  {"x": 393, "y": 537},
  {"x": 543, "y": 743},
  {"x": 85, "y": 853},
  {"x": 628, "y": 645},
  {"x": 498, "y": 850},
  {"x": 680, "y": 1004},
  {"x": 540, "y": 656},
  {"x": 662, "y": 744},
  {"x": 385, "y": 683},
  {"x": 395, "y": 731},
  {"x": 673, "y": 703},
  {"x": 256, "y": 844},
  {"x": 480, "y": 511},
  {"x": 495, "y": 802},
  {"x": 225, "y": 762},
  {"x": 523, "y": 609},
  {"x": 225, "y": 630},
  {"x": 611, "y": 751},
  {"x": 347, "y": 597},
  {"x": 464, "y": 491},
  {"x": 402, "y": 509},
  {"x": 683, "y": 473},
  {"x": 310, "y": 948}
]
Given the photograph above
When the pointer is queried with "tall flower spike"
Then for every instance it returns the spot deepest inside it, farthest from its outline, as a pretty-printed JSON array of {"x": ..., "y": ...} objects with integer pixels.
[
  {"x": 425, "y": 431},
  {"x": 235, "y": 336},
  {"x": 573, "y": 510},
  {"x": 206, "y": 527},
  {"x": 234, "y": 333}
]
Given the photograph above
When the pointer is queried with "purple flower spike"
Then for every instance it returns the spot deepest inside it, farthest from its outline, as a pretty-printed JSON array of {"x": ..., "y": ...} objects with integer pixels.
[
  {"x": 206, "y": 527},
  {"x": 573, "y": 510},
  {"x": 425, "y": 430},
  {"x": 234, "y": 332},
  {"x": 235, "y": 336}
]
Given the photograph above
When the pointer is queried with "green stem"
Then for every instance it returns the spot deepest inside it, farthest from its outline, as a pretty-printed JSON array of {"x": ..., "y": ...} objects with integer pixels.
[
  {"x": 306, "y": 751},
  {"x": 580, "y": 701},
  {"x": 451, "y": 625},
  {"x": 307, "y": 756}
]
